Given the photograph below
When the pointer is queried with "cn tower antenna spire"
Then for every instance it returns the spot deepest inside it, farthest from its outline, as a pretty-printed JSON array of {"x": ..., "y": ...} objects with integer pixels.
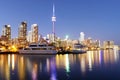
[{"x": 53, "y": 9}]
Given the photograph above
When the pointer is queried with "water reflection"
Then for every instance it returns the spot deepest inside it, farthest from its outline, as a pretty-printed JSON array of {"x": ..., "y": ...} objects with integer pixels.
[
  {"x": 21, "y": 68},
  {"x": 53, "y": 69},
  {"x": 13, "y": 60},
  {"x": 67, "y": 67},
  {"x": 34, "y": 72},
  {"x": 87, "y": 61},
  {"x": 35, "y": 67}
]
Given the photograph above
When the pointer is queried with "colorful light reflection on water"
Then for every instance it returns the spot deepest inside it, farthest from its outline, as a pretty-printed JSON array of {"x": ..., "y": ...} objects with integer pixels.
[{"x": 95, "y": 65}]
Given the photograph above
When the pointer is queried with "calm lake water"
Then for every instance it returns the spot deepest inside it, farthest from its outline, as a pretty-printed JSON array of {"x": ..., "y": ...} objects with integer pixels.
[{"x": 93, "y": 65}]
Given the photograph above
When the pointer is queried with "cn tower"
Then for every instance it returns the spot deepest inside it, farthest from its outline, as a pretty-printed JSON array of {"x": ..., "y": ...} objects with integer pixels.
[{"x": 53, "y": 23}]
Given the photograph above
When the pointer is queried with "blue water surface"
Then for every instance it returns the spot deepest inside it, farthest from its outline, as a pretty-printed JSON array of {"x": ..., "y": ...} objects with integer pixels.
[{"x": 93, "y": 65}]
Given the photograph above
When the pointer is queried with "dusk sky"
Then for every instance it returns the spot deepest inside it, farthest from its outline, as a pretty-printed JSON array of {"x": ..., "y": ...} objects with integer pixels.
[{"x": 99, "y": 19}]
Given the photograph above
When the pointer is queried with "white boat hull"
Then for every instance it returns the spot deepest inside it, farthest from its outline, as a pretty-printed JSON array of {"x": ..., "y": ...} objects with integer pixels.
[{"x": 37, "y": 52}]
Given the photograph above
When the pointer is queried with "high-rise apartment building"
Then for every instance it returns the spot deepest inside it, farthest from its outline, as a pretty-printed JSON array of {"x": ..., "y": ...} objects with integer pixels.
[
  {"x": 29, "y": 36},
  {"x": 7, "y": 31},
  {"x": 22, "y": 34},
  {"x": 34, "y": 32},
  {"x": 22, "y": 30}
]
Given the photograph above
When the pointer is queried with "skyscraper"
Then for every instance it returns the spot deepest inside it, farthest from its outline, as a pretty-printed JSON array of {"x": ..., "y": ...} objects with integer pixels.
[
  {"x": 22, "y": 34},
  {"x": 34, "y": 31},
  {"x": 22, "y": 30},
  {"x": 29, "y": 36},
  {"x": 7, "y": 31},
  {"x": 50, "y": 37},
  {"x": 82, "y": 35},
  {"x": 108, "y": 44},
  {"x": 53, "y": 22}
]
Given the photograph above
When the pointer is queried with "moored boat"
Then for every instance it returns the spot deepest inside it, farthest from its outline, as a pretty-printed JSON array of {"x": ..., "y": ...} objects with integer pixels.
[{"x": 41, "y": 48}]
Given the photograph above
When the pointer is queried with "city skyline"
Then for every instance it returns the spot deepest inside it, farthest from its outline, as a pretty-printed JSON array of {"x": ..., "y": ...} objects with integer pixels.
[{"x": 97, "y": 19}]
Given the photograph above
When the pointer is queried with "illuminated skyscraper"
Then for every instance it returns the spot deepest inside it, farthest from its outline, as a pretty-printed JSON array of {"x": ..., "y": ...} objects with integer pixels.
[
  {"x": 50, "y": 37},
  {"x": 22, "y": 34},
  {"x": 53, "y": 22},
  {"x": 108, "y": 44},
  {"x": 7, "y": 31},
  {"x": 29, "y": 36},
  {"x": 34, "y": 31},
  {"x": 22, "y": 30},
  {"x": 82, "y": 35}
]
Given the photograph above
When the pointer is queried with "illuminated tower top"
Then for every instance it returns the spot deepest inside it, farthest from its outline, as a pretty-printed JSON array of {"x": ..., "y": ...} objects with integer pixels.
[{"x": 53, "y": 17}]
